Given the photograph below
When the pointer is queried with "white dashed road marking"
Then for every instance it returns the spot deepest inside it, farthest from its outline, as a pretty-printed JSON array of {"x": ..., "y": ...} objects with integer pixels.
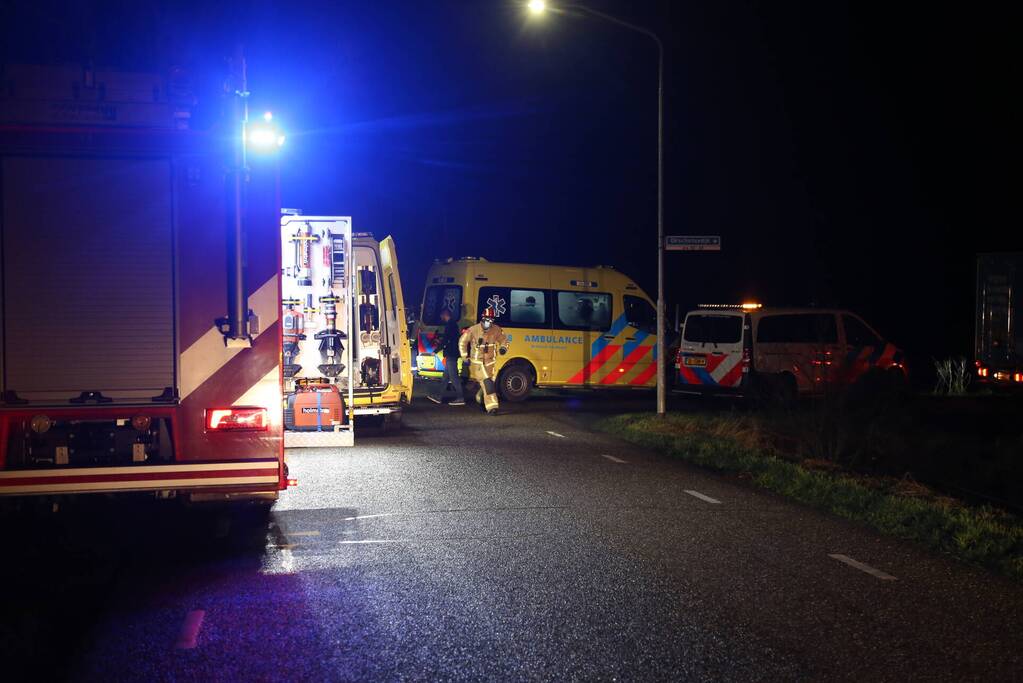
[
  {"x": 560, "y": 436},
  {"x": 705, "y": 499},
  {"x": 382, "y": 540},
  {"x": 877, "y": 573},
  {"x": 189, "y": 634},
  {"x": 613, "y": 459},
  {"x": 304, "y": 533}
]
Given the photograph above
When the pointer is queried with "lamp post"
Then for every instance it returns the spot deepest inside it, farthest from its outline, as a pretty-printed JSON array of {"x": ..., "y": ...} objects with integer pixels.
[{"x": 537, "y": 7}]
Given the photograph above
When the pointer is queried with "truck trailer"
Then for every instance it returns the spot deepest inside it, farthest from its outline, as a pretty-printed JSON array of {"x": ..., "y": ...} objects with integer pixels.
[
  {"x": 140, "y": 344},
  {"x": 999, "y": 335}
]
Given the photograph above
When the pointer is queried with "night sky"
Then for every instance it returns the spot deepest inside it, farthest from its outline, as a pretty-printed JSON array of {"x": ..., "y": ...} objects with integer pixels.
[{"x": 853, "y": 154}]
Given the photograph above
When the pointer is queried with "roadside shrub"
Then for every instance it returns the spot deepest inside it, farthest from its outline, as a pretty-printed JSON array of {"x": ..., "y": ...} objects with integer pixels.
[
  {"x": 953, "y": 376},
  {"x": 894, "y": 506}
]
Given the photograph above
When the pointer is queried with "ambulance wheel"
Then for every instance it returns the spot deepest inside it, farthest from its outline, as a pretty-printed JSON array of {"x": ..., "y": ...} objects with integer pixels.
[{"x": 515, "y": 382}]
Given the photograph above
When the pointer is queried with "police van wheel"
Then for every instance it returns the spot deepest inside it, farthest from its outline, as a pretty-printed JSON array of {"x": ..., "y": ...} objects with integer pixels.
[{"x": 515, "y": 382}]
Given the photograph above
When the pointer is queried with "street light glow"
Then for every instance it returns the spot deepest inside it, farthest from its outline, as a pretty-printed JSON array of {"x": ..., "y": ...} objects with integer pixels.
[{"x": 537, "y": 6}]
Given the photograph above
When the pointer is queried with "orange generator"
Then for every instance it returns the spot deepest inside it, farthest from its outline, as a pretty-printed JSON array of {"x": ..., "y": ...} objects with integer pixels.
[{"x": 314, "y": 407}]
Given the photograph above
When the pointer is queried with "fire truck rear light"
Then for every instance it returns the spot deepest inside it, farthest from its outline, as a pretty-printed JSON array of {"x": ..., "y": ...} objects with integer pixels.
[
  {"x": 141, "y": 422},
  {"x": 1017, "y": 377},
  {"x": 237, "y": 419},
  {"x": 982, "y": 372},
  {"x": 292, "y": 482}
]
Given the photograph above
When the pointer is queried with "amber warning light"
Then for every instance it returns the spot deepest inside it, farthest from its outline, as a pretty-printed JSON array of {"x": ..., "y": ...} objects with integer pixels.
[{"x": 237, "y": 419}]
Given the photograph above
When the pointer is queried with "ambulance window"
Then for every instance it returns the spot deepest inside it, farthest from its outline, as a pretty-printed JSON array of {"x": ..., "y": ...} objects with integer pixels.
[
  {"x": 856, "y": 333},
  {"x": 439, "y": 298},
  {"x": 516, "y": 307},
  {"x": 527, "y": 307},
  {"x": 640, "y": 314},
  {"x": 798, "y": 328},
  {"x": 713, "y": 329},
  {"x": 584, "y": 310}
]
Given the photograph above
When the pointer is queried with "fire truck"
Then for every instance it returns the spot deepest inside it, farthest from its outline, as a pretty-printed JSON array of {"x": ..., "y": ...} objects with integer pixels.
[{"x": 140, "y": 348}]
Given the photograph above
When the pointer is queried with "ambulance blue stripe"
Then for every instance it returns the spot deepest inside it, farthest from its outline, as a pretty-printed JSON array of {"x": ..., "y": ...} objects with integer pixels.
[
  {"x": 616, "y": 328},
  {"x": 633, "y": 345}
]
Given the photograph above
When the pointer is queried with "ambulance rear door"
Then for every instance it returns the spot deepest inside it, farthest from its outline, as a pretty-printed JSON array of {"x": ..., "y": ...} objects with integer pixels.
[{"x": 400, "y": 353}]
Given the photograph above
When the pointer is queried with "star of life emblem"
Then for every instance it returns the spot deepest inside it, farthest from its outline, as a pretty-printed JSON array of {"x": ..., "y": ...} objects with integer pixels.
[{"x": 498, "y": 304}]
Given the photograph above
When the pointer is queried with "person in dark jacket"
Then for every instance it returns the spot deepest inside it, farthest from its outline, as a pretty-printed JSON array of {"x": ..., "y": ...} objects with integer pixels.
[{"x": 449, "y": 340}]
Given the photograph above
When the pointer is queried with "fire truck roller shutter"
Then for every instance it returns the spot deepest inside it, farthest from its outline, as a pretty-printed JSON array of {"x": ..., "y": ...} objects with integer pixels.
[{"x": 88, "y": 277}]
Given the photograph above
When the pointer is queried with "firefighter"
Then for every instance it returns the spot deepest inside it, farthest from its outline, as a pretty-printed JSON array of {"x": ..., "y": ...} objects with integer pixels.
[{"x": 479, "y": 346}]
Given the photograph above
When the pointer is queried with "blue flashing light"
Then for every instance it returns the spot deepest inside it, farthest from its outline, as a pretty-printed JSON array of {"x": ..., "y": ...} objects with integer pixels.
[{"x": 264, "y": 136}]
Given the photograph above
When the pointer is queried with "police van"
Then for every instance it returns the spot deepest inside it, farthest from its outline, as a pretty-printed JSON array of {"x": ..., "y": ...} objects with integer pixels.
[
  {"x": 567, "y": 327},
  {"x": 734, "y": 349}
]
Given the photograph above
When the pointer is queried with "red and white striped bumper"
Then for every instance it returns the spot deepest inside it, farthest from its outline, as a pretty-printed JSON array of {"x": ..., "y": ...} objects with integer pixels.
[{"x": 264, "y": 474}]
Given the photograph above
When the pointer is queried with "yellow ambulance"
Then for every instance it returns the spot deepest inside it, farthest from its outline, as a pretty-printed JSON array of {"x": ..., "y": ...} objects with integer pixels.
[{"x": 567, "y": 327}]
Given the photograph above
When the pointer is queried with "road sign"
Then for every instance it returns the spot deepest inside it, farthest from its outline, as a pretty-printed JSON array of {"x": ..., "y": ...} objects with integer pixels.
[{"x": 692, "y": 242}]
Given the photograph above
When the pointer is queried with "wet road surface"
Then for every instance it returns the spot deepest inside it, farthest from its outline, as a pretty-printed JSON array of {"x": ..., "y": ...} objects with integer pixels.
[{"x": 522, "y": 546}]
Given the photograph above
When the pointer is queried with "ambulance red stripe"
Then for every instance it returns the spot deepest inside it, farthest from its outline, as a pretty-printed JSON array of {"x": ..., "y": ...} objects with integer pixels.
[
  {"x": 626, "y": 365},
  {"x": 644, "y": 377},
  {"x": 595, "y": 364}
]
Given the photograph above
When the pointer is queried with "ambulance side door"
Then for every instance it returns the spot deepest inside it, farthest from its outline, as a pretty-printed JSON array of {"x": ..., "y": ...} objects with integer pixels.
[
  {"x": 587, "y": 336},
  {"x": 638, "y": 366},
  {"x": 397, "y": 338}
]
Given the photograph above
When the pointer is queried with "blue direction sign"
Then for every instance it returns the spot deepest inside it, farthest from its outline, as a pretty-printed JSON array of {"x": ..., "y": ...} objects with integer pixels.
[{"x": 692, "y": 242}]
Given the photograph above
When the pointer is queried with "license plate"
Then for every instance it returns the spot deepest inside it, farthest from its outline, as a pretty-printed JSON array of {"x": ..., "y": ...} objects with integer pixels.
[
  {"x": 695, "y": 361},
  {"x": 427, "y": 362}
]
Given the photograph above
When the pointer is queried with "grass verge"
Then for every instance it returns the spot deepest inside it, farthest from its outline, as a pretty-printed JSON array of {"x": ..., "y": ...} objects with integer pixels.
[{"x": 737, "y": 443}]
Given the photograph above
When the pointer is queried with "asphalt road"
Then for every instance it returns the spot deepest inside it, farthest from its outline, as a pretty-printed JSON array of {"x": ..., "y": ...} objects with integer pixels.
[{"x": 517, "y": 547}]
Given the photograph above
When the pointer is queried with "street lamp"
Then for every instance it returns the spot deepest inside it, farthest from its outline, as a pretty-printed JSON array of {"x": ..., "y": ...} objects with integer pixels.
[{"x": 538, "y": 7}]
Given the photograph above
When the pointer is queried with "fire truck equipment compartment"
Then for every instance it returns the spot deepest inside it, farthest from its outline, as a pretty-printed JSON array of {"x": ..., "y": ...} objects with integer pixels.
[{"x": 88, "y": 295}]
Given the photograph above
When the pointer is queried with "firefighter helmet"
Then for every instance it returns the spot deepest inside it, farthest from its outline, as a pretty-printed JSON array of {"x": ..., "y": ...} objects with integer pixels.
[{"x": 488, "y": 312}]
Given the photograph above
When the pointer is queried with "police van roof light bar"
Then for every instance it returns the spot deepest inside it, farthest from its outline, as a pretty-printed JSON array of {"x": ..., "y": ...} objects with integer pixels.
[{"x": 745, "y": 306}]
